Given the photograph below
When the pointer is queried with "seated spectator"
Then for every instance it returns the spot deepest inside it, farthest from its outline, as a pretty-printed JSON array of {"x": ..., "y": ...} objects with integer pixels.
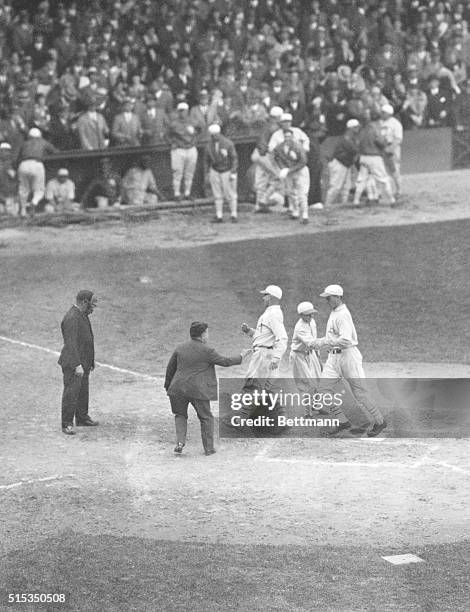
[
  {"x": 7, "y": 180},
  {"x": 60, "y": 193},
  {"x": 138, "y": 186}
]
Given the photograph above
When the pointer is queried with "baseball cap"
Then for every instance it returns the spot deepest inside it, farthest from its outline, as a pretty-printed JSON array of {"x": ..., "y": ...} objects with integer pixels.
[
  {"x": 182, "y": 106},
  {"x": 35, "y": 133},
  {"x": 387, "y": 108},
  {"x": 286, "y": 117},
  {"x": 306, "y": 308},
  {"x": 273, "y": 290},
  {"x": 214, "y": 128},
  {"x": 352, "y": 123},
  {"x": 336, "y": 290},
  {"x": 62, "y": 172},
  {"x": 275, "y": 112}
]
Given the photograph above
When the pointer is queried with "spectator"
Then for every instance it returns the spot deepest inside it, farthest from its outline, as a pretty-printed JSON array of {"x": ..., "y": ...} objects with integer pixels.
[
  {"x": 127, "y": 129},
  {"x": 92, "y": 129},
  {"x": 438, "y": 110},
  {"x": 182, "y": 136},
  {"x": 414, "y": 107},
  {"x": 60, "y": 193},
  {"x": 138, "y": 186},
  {"x": 155, "y": 123},
  {"x": 203, "y": 114}
]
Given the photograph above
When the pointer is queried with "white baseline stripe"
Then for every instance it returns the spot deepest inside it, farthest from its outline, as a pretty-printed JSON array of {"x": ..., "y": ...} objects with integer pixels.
[
  {"x": 47, "y": 478},
  {"x": 98, "y": 363}
]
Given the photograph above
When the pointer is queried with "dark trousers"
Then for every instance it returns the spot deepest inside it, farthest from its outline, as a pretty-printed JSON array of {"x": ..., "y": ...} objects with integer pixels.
[
  {"x": 74, "y": 397},
  {"x": 179, "y": 407}
]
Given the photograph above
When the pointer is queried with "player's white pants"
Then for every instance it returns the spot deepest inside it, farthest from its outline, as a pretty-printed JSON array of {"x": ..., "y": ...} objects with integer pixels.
[
  {"x": 393, "y": 167},
  {"x": 348, "y": 365},
  {"x": 259, "y": 366},
  {"x": 373, "y": 165},
  {"x": 31, "y": 180},
  {"x": 339, "y": 182},
  {"x": 297, "y": 187},
  {"x": 183, "y": 166},
  {"x": 306, "y": 370},
  {"x": 266, "y": 178},
  {"x": 223, "y": 188}
]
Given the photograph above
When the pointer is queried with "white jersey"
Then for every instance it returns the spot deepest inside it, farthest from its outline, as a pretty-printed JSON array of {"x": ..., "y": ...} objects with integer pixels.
[
  {"x": 299, "y": 136},
  {"x": 340, "y": 330},
  {"x": 304, "y": 335},
  {"x": 270, "y": 331}
]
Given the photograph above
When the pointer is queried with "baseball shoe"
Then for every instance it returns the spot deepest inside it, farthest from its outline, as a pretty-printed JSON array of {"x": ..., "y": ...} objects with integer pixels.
[
  {"x": 360, "y": 429},
  {"x": 86, "y": 423},
  {"x": 322, "y": 412},
  {"x": 377, "y": 429},
  {"x": 317, "y": 206},
  {"x": 339, "y": 428},
  {"x": 210, "y": 452},
  {"x": 68, "y": 430},
  {"x": 304, "y": 221},
  {"x": 178, "y": 448},
  {"x": 178, "y": 198},
  {"x": 234, "y": 219},
  {"x": 217, "y": 220},
  {"x": 189, "y": 197}
]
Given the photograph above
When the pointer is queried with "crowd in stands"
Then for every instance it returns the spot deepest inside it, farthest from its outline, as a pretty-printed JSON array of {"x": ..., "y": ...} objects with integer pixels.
[{"x": 111, "y": 72}]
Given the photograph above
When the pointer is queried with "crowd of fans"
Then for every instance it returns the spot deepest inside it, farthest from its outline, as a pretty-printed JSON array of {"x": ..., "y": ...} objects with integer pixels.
[{"x": 111, "y": 72}]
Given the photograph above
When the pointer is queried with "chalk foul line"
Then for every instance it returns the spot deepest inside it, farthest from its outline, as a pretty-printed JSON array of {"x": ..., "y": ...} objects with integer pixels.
[
  {"x": 20, "y": 483},
  {"x": 108, "y": 366}
]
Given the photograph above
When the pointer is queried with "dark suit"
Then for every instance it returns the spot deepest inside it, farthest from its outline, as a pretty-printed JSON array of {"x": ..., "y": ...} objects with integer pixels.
[
  {"x": 190, "y": 378},
  {"x": 78, "y": 350}
]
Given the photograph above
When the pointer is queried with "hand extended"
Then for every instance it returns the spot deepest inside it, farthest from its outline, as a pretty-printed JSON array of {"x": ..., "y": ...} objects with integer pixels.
[
  {"x": 79, "y": 371},
  {"x": 283, "y": 173},
  {"x": 245, "y": 328},
  {"x": 245, "y": 352}
]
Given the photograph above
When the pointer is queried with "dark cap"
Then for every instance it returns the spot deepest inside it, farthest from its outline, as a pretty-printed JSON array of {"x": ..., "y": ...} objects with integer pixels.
[
  {"x": 197, "y": 329},
  {"x": 84, "y": 295}
]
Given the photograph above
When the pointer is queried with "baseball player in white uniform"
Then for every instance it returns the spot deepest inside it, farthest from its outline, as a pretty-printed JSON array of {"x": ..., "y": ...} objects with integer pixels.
[
  {"x": 392, "y": 131},
  {"x": 292, "y": 160},
  {"x": 345, "y": 361},
  {"x": 299, "y": 135},
  {"x": 269, "y": 338},
  {"x": 306, "y": 367}
]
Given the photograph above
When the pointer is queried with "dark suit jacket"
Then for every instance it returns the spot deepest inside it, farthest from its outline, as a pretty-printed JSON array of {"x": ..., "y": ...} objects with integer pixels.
[
  {"x": 191, "y": 370},
  {"x": 78, "y": 346}
]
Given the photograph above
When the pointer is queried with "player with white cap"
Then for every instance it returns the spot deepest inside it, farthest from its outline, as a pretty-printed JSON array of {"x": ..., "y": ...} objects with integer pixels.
[
  {"x": 269, "y": 338},
  {"x": 182, "y": 136},
  {"x": 285, "y": 121},
  {"x": 392, "y": 130},
  {"x": 220, "y": 157},
  {"x": 31, "y": 172},
  {"x": 306, "y": 368},
  {"x": 345, "y": 155},
  {"x": 345, "y": 362}
]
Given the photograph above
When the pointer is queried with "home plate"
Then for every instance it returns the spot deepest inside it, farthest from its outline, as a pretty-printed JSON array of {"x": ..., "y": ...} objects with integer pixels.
[{"x": 403, "y": 559}]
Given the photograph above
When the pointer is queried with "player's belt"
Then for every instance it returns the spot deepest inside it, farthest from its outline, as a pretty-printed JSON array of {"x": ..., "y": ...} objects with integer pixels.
[
  {"x": 336, "y": 351},
  {"x": 261, "y": 346}
]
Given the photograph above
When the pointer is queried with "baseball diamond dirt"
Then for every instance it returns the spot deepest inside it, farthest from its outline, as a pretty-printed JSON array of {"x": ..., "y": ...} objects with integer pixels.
[{"x": 114, "y": 521}]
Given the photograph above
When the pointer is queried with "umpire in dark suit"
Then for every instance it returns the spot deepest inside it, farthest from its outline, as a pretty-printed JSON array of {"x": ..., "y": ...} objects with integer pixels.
[
  {"x": 77, "y": 360},
  {"x": 190, "y": 379}
]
